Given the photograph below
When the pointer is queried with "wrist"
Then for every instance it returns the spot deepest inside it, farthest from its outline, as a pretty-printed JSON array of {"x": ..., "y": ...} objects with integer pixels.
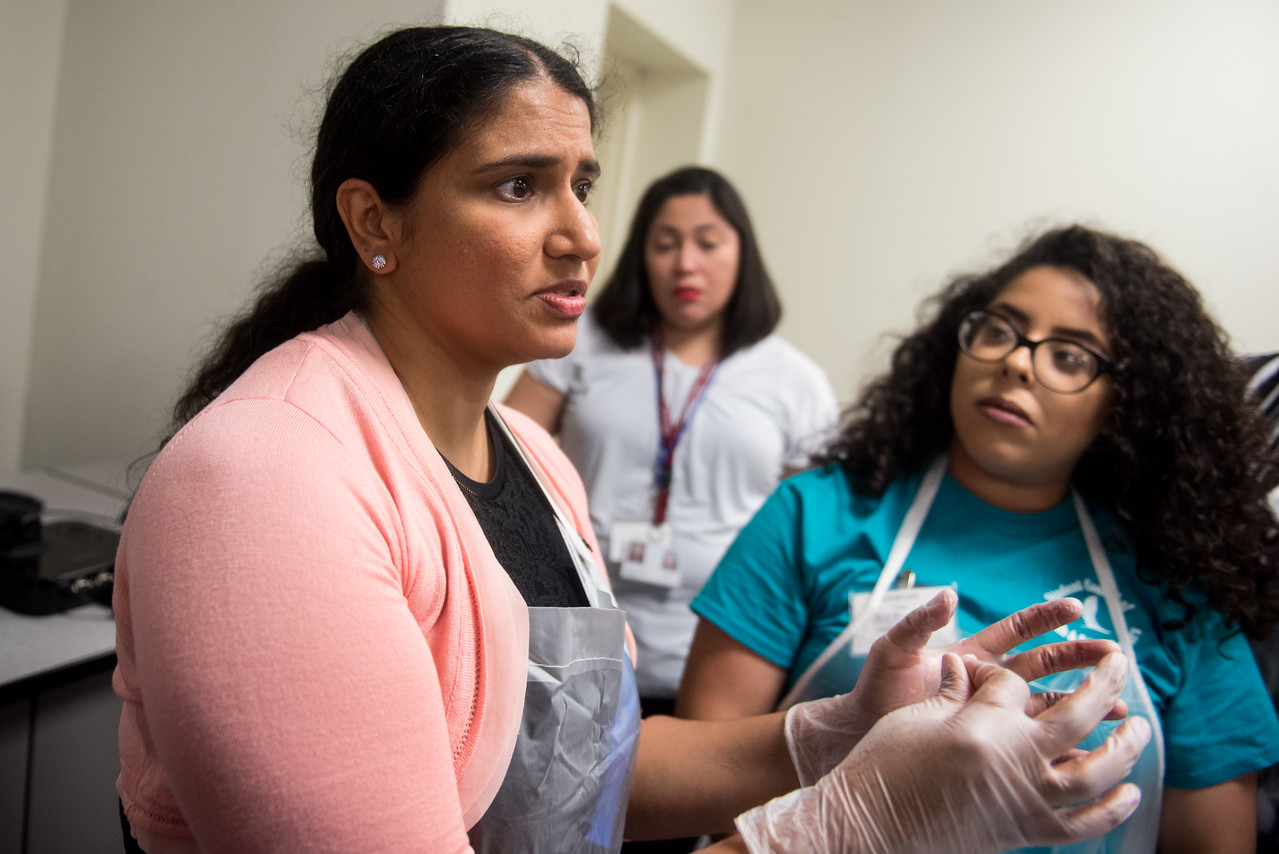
[
  {"x": 820, "y": 734},
  {"x": 732, "y": 845},
  {"x": 814, "y": 820}
]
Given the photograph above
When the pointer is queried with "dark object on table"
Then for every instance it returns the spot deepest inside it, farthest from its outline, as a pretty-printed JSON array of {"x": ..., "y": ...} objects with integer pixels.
[{"x": 51, "y": 566}]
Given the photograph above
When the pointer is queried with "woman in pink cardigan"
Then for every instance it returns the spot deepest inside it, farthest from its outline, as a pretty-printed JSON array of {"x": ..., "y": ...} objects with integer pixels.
[{"x": 360, "y": 609}]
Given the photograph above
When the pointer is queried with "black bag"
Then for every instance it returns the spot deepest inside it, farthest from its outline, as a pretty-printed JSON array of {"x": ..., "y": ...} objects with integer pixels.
[{"x": 52, "y": 566}]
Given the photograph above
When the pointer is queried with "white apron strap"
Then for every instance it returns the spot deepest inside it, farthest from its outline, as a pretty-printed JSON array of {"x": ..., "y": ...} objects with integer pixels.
[
  {"x": 901, "y": 547},
  {"x": 1114, "y": 604},
  {"x": 579, "y": 550}
]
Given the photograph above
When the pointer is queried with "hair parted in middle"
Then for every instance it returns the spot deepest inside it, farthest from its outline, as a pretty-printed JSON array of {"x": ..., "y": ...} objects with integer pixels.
[
  {"x": 625, "y": 309},
  {"x": 400, "y": 106},
  {"x": 1182, "y": 456}
]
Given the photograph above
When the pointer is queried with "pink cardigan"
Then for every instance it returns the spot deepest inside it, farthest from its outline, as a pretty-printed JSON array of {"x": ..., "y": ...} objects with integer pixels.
[{"x": 317, "y": 649}]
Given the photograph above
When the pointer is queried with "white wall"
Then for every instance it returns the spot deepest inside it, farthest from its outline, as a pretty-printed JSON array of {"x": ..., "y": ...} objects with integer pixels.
[
  {"x": 30, "y": 41},
  {"x": 880, "y": 146},
  {"x": 178, "y": 166},
  {"x": 577, "y": 22},
  {"x": 892, "y": 144},
  {"x": 178, "y": 159},
  {"x": 698, "y": 30}
]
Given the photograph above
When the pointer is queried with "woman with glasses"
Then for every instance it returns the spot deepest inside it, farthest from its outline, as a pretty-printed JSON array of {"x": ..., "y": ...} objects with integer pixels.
[{"x": 1071, "y": 423}]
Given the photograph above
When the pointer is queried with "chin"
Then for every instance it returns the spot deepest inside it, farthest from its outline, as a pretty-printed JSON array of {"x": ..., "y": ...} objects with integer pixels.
[
  {"x": 555, "y": 346},
  {"x": 556, "y": 354}
]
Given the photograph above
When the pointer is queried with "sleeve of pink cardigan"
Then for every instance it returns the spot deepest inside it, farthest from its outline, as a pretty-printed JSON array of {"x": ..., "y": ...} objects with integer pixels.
[{"x": 290, "y": 693}]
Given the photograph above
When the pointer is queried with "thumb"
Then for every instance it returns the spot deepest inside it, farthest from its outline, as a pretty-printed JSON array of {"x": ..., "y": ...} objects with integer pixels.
[
  {"x": 913, "y": 631},
  {"x": 956, "y": 682}
]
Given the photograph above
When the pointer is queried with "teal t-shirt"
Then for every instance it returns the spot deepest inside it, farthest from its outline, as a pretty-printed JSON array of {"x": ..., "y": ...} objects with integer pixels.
[{"x": 783, "y": 588}]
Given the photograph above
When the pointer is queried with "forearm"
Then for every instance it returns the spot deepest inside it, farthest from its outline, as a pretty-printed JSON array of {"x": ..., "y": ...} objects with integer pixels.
[
  {"x": 732, "y": 845},
  {"x": 1218, "y": 819},
  {"x": 694, "y": 777}
]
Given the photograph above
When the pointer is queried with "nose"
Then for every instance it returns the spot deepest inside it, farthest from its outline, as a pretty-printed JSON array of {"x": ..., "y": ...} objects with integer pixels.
[
  {"x": 685, "y": 258},
  {"x": 1021, "y": 361},
  {"x": 575, "y": 234}
]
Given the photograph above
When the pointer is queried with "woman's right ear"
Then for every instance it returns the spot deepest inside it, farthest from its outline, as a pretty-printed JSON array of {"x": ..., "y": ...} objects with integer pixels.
[{"x": 369, "y": 223}]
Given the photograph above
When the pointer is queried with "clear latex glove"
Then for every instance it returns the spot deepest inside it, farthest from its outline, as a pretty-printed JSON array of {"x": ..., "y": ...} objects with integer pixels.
[
  {"x": 900, "y": 670},
  {"x": 967, "y": 772}
]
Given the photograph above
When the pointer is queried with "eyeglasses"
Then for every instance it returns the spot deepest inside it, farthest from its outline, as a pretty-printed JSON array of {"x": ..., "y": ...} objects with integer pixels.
[{"x": 1063, "y": 366}]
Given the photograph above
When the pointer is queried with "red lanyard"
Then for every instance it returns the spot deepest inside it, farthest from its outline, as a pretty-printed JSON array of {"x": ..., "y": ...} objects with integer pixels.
[{"x": 672, "y": 432}]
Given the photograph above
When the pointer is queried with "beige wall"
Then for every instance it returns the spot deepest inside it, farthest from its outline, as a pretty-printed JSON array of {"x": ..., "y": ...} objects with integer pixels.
[
  {"x": 881, "y": 146},
  {"x": 891, "y": 144},
  {"x": 30, "y": 39},
  {"x": 175, "y": 140},
  {"x": 178, "y": 162}
]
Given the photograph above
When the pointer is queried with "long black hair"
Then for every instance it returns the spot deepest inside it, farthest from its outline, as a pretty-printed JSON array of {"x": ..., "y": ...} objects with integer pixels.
[
  {"x": 401, "y": 105},
  {"x": 625, "y": 309},
  {"x": 1183, "y": 457}
]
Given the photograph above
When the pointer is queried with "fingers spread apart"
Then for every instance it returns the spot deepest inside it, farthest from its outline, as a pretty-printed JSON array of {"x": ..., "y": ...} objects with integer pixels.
[
  {"x": 1084, "y": 775},
  {"x": 1059, "y": 657},
  {"x": 1031, "y": 622}
]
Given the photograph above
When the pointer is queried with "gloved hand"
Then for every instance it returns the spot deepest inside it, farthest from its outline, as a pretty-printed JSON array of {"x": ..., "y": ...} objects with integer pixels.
[
  {"x": 967, "y": 774},
  {"x": 900, "y": 670}
]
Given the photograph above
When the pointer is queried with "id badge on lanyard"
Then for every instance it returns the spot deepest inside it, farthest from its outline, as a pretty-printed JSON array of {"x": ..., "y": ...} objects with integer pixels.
[{"x": 644, "y": 550}]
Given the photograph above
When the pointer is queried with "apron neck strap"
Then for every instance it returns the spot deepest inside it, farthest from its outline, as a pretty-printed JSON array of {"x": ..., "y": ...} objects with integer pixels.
[{"x": 579, "y": 550}]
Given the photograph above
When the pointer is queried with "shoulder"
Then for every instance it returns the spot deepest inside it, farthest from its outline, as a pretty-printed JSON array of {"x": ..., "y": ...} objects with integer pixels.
[
  {"x": 257, "y": 457},
  {"x": 777, "y": 350},
  {"x": 594, "y": 356},
  {"x": 817, "y": 483},
  {"x": 826, "y": 506},
  {"x": 821, "y": 497},
  {"x": 326, "y": 373},
  {"x": 777, "y": 347},
  {"x": 282, "y": 408},
  {"x": 321, "y": 410},
  {"x": 790, "y": 369}
]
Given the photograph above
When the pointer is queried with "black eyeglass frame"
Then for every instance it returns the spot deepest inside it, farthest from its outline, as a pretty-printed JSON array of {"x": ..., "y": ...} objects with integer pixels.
[{"x": 980, "y": 315}]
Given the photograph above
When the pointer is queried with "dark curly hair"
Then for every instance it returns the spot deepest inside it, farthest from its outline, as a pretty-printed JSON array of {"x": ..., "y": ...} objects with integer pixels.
[{"x": 1183, "y": 458}]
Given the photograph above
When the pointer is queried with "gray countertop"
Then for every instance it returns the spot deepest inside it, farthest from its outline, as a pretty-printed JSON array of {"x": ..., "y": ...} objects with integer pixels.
[{"x": 37, "y": 646}]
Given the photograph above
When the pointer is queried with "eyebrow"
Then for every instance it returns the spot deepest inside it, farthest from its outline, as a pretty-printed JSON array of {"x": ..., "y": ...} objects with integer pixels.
[
  {"x": 1022, "y": 318},
  {"x": 696, "y": 231},
  {"x": 590, "y": 166}
]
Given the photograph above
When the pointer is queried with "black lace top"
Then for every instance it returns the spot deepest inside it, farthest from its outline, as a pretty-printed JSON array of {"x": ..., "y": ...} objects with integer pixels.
[{"x": 520, "y": 527}]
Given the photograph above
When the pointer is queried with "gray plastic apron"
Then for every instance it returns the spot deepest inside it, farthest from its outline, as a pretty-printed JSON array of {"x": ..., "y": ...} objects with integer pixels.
[
  {"x": 836, "y": 669},
  {"x": 570, "y": 774}
]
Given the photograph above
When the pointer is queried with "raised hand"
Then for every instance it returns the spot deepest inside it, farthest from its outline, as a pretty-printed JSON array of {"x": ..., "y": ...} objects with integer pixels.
[
  {"x": 901, "y": 670},
  {"x": 967, "y": 771}
]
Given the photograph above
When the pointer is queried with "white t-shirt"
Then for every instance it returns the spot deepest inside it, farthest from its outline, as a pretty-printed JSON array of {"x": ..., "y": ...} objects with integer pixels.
[{"x": 767, "y": 407}]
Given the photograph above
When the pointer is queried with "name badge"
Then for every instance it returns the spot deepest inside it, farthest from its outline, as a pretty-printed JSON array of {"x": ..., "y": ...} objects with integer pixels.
[
  {"x": 643, "y": 553},
  {"x": 898, "y": 602}
]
